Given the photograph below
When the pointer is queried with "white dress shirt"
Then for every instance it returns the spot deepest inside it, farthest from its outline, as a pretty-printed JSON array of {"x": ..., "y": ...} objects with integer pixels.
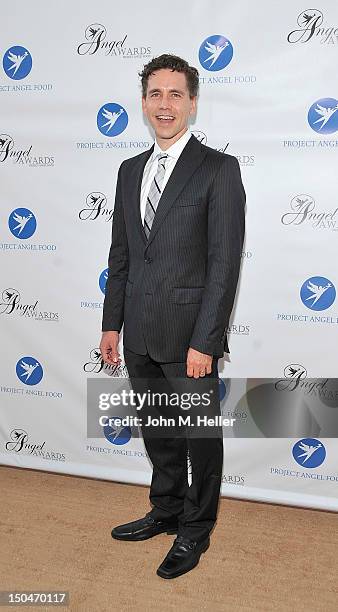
[{"x": 151, "y": 167}]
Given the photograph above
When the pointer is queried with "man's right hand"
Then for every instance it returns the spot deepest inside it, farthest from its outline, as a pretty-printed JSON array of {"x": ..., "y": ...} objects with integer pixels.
[{"x": 109, "y": 347}]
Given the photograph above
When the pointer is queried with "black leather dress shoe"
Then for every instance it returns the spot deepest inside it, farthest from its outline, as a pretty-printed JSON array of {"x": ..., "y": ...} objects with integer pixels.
[
  {"x": 143, "y": 529},
  {"x": 182, "y": 557}
]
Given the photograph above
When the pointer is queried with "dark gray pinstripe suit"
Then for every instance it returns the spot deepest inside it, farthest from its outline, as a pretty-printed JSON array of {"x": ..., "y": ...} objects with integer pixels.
[
  {"x": 177, "y": 289},
  {"x": 174, "y": 291}
]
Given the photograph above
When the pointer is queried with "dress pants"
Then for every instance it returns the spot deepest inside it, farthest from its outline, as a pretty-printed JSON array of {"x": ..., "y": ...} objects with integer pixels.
[{"x": 195, "y": 506}]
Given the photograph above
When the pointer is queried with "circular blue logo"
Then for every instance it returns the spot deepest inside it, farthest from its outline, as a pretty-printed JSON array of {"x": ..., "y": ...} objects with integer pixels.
[
  {"x": 17, "y": 63},
  {"x": 29, "y": 370},
  {"x": 22, "y": 223},
  {"x": 215, "y": 52},
  {"x": 318, "y": 293},
  {"x": 103, "y": 280},
  {"x": 117, "y": 435},
  {"x": 309, "y": 452},
  {"x": 112, "y": 119},
  {"x": 323, "y": 116}
]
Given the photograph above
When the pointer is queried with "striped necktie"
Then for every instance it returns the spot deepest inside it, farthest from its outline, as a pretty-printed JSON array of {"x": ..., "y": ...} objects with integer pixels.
[{"x": 154, "y": 194}]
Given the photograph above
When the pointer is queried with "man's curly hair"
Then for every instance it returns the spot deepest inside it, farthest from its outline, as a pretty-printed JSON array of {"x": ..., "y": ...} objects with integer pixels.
[{"x": 174, "y": 63}]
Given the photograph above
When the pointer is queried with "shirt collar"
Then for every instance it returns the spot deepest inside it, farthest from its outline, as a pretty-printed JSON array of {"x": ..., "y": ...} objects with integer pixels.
[{"x": 176, "y": 149}]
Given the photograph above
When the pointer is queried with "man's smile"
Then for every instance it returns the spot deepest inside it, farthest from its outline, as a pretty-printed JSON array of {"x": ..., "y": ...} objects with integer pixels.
[{"x": 165, "y": 118}]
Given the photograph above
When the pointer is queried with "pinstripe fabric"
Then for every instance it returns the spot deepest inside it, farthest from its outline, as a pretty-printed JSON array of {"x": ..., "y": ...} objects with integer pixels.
[
  {"x": 195, "y": 505},
  {"x": 177, "y": 288},
  {"x": 154, "y": 194}
]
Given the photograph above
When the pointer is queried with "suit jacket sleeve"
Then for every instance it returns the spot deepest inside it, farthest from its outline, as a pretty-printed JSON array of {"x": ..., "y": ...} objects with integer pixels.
[
  {"x": 118, "y": 265},
  {"x": 225, "y": 242}
]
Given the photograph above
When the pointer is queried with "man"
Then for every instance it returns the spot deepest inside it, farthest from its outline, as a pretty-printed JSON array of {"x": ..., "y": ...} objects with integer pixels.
[{"x": 173, "y": 269}]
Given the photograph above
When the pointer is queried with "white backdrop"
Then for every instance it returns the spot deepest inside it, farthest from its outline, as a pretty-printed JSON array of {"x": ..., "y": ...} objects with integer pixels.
[{"x": 58, "y": 168}]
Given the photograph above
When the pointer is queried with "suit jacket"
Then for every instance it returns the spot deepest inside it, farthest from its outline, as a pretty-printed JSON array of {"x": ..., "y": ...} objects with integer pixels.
[{"x": 177, "y": 289}]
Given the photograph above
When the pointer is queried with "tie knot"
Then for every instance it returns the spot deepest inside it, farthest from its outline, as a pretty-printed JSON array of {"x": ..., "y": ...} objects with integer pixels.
[{"x": 162, "y": 158}]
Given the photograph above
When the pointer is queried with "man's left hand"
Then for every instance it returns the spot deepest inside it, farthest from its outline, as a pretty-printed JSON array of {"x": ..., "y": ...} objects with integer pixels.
[{"x": 198, "y": 364}]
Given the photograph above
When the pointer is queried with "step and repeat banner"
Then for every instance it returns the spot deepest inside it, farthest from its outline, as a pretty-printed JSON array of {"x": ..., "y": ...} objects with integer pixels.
[{"x": 70, "y": 102}]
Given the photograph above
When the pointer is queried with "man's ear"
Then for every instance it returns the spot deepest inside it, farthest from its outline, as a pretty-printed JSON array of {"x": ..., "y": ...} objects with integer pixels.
[
  {"x": 144, "y": 105},
  {"x": 193, "y": 106}
]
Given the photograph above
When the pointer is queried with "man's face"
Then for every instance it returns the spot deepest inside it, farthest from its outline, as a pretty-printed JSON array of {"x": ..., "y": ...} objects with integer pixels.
[{"x": 168, "y": 106}]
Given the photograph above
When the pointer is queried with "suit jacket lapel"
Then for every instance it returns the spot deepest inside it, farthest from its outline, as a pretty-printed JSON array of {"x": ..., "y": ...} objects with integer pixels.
[
  {"x": 135, "y": 182},
  {"x": 189, "y": 160}
]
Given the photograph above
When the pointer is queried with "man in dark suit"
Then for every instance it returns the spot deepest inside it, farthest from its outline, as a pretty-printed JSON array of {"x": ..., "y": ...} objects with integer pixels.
[{"x": 173, "y": 269}]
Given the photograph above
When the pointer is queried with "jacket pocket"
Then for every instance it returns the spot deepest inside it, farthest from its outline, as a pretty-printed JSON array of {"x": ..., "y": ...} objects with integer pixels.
[
  {"x": 188, "y": 202},
  {"x": 129, "y": 288},
  {"x": 187, "y": 295}
]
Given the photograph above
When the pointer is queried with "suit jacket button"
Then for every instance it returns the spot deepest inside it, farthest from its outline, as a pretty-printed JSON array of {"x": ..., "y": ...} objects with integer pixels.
[{"x": 148, "y": 260}]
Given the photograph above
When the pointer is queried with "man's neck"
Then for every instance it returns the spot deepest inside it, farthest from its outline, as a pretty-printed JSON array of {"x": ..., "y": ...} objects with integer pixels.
[{"x": 166, "y": 143}]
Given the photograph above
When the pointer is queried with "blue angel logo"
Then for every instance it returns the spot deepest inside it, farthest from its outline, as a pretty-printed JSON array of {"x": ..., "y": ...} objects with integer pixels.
[
  {"x": 17, "y": 62},
  {"x": 318, "y": 293},
  {"x": 215, "y": 53},
  {"x": 29, "y": 370},
  {"x": 112, "y": 119},
  {"x": 323, "y": 116},
  {"x": 22, "y": 223},
  {"x": 309, "y": 452},
  {"x": 117, "y": 434}
]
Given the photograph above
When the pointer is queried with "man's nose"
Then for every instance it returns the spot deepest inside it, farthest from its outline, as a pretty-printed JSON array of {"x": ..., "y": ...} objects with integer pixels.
[{"x": 164, "y": 101}]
